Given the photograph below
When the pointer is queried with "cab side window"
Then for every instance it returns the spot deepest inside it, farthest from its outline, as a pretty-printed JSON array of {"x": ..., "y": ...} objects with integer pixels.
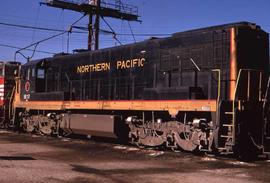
[
  {"x": 40, "y": 73},
  {"x": 33, "y": 72},
  {"x": 28, "y": 74}
]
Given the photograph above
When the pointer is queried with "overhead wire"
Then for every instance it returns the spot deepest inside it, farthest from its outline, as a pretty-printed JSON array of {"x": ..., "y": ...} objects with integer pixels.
[
  {"x": 36, "y": 28},
  {"x": 35, "y": 46},
  {"x": 113, "y": 32},
  {"x": 68, "y": 41},
  {"x": 11, "y": 17},
  {"x": 43, "y": 40},
  {"x": 62, "y": 32},
  {"x": 17, "y": 38},
  {"x": 123, "y": 34},
  {"x": 59, "y": 24},
  {"x": 131, "y": 31},
  {"x": 84, "y": 29},
  {"x": 121, "y": 30},
  {"x": 36, "y": 20},
  {"x": 121, "y": 3},
  {"x": 15, "y": 47}
]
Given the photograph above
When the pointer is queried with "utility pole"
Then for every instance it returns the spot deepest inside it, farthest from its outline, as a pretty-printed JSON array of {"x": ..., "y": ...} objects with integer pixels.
[
  {"x": 97, "y": 25},
  {"x": 96, "y": 9},
  {"x": 90, "y": 31}
]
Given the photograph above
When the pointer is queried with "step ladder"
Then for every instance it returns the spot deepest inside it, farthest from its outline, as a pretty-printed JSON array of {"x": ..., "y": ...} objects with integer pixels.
[
  {"x": 243, "y": 92},
  {"x": 228, "y": 136}
]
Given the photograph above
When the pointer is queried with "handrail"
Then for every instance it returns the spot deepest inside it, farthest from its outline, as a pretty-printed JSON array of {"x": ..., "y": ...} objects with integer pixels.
[
  {"x": 238, "y": 78},
  {"x": 10, "y": 101},
  {"x": 266, "y": 92},
  {"x": 219, "y": 82}
]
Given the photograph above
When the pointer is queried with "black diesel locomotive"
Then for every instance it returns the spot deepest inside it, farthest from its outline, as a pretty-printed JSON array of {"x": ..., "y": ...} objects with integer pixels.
[{"x": 203, "y": 89}]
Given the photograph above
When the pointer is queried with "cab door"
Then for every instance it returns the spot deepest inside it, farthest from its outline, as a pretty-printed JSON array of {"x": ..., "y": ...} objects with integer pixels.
[{"x": 41, "y": 77}]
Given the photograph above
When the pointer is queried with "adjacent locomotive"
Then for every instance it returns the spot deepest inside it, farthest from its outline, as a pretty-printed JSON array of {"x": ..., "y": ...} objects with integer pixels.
[
  {"x": 8, "y": 72},
  {"x": 203, "y": 89}
]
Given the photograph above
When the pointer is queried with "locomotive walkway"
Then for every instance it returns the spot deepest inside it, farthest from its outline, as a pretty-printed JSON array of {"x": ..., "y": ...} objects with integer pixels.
[{"x": 31, "y": 158}]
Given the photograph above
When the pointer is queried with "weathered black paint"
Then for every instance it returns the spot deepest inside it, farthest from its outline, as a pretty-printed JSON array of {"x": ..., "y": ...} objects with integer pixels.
[{"x": 168, "y": 72}]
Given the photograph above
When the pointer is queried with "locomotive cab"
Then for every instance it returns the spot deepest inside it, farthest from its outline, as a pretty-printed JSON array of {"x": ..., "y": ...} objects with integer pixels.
[
  {"x": 30, "y": 83},
  {"x": 36, "y": 82}
]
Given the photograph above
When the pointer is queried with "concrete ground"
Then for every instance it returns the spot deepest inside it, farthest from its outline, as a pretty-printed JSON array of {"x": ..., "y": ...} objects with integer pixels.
[{"x": 31, "y": 158}]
